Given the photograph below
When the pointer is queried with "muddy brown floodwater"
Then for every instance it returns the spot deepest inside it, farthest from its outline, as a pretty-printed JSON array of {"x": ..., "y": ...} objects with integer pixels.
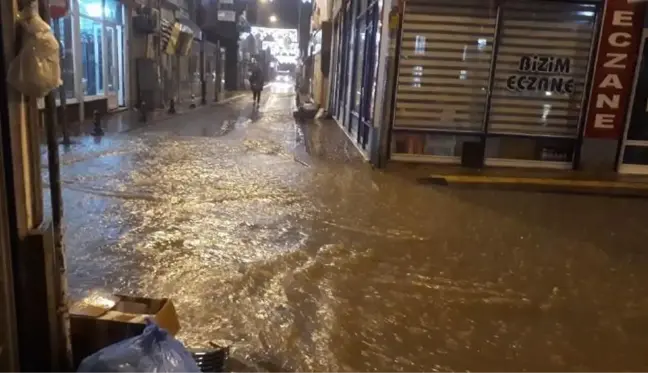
[{"x": 278, "y": 238}]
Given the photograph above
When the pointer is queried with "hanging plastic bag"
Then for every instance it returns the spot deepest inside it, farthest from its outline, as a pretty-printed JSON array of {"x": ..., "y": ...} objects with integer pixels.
[
  {"x": 154, "y": 350},
  {"x": 36, "y": 70}
]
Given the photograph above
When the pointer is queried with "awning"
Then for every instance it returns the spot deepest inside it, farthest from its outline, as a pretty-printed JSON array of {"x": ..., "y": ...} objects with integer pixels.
[{"x": 197, "y": 32}]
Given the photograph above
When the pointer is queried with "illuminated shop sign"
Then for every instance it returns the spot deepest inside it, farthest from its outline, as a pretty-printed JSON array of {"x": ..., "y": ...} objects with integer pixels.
[
  {"x": 542, "y": 74},
  {"x": 613, "y": 71}
]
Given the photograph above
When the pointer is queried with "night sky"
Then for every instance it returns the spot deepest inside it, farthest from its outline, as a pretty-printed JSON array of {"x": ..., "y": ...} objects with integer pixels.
[{"x": 285, "y": 10}]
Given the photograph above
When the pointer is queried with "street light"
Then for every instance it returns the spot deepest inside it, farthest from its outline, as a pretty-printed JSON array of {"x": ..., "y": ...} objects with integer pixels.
[{"x": 273, "y": 18}]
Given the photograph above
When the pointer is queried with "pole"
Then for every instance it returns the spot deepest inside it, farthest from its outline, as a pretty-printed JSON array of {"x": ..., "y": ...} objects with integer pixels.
[
  {"x": 62, "y": 94},
  {"x": 203, "y": 82},
  {"x": 9, "y": 357},
  {"x": 63, "y": 350}
]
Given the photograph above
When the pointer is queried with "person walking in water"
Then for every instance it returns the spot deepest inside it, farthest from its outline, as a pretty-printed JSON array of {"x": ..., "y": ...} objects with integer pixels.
[{"x": 256, "y": 84}]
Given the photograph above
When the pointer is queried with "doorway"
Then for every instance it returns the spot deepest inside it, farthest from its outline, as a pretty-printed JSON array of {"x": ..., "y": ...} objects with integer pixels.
[
  {"x": 633, "y": 157},
  {"x": 114, "y": 58}
]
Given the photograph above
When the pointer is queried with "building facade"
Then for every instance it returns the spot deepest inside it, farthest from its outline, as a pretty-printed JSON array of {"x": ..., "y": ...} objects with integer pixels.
[
  {"x": 94, "y": 38},
  {"x": 117, "y": 54},
  {"x": 356, "y": 30},
  {"x": 525, "y": 83}
]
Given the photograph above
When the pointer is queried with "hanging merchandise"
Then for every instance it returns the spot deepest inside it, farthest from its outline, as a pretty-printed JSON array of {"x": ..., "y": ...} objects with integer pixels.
[
  {"x": 184, "y": 40},
  {"x": 169, "y": 36},
  {"x": 36, "y": 70}
]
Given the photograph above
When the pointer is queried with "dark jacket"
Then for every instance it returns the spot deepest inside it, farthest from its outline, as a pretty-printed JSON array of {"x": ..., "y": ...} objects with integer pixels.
[{"x": 256, "y": 79}]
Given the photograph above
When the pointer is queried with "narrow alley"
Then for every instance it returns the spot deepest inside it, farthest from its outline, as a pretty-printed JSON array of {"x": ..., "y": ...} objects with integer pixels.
[{"x": 279, "y": 238}]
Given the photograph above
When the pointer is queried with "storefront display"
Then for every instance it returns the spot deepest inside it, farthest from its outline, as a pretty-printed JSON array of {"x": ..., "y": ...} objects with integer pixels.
[
  {"x": 356, "y": 36},
  {"x": 91, "y": 57},
  {"x": 634, "y": 150},
  {"x": 92, "y": 36},
  {"x": 510, "y": 77},
  {"x": 62, "y": 28}
]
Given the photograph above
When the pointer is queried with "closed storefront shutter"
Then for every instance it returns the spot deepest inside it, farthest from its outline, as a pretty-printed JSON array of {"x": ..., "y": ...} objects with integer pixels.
[
  {"x": 541, "y": 67},
  {"x": 445, "y": 60},
  {"x": 508, "y": 74}
]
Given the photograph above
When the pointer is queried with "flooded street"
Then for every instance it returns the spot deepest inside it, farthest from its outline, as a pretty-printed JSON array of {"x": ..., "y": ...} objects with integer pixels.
[{"x": 278, "y": 238}]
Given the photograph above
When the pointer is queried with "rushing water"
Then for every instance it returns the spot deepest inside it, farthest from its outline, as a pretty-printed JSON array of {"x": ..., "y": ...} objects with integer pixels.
[{"x": 278, "y": 239}]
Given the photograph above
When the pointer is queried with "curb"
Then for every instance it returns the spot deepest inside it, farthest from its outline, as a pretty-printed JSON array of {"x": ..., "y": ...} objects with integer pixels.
[
  {"x": 171, "y": 116},
  {"x": 546, "y": 185}
]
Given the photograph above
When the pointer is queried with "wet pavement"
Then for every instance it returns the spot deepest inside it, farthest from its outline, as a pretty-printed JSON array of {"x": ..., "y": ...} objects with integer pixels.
[{"x": 278, "y": 238}]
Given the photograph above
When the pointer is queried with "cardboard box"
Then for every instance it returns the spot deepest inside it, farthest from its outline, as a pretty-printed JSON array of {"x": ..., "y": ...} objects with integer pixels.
[{"x": 100, "y": 320}]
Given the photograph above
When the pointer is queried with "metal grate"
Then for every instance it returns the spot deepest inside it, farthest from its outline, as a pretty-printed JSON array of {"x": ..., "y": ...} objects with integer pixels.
[{"x": 213, "y": 360}]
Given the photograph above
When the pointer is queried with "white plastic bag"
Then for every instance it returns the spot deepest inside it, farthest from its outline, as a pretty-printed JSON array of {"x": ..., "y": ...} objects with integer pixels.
[{"x": 36, "y": 70}]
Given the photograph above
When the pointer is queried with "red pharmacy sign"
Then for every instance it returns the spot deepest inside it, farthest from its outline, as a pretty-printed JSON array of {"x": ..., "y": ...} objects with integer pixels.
[{"x": 614, "y": 68}]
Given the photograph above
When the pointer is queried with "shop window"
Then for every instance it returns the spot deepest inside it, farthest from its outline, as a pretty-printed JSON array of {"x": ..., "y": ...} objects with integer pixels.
[
  {"x": 635, "y": 155},
  {"x": 359, "y": 67},
  {"x": 349, "y": 67},
  {"x": 91, "y": 57},
  {"x": 530, "y": 149},
  {"x": 113, "y": 11},
  {"x": 62, "y": 28},
  {"x": 374, "y": 78},
  {"x": 91, "y": 8}
]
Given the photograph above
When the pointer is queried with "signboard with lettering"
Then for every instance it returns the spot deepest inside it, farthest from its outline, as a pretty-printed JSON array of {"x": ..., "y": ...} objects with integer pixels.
[
  {"x": 616, "y": 58},
  {"x": 542, "y": 74}
]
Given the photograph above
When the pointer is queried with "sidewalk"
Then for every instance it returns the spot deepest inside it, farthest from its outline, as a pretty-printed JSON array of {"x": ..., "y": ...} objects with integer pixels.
[
  {"x": 130, "y": 119},
  {"x": 532, "y": 180}
]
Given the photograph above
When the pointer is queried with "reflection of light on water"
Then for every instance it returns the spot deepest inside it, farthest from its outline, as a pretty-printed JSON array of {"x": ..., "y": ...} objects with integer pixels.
[{"x": 282, "y": 87}]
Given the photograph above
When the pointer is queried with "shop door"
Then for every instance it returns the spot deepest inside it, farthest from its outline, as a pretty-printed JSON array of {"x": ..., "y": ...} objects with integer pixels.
[
  {"x": 634, "y": 150},
  {"x": 335, "y": 69},
  {"x": 509, "y": 78},
  {"x": 347, "y": 70},
  {"x": 366, "y": 86},
  {"x": 113, "y": 86},
  {"x": 340, "y": 74}
]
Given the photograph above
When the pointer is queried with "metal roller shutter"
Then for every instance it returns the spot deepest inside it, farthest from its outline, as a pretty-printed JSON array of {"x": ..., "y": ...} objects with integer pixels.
[
  {"x": 444, "y": 66},
  {"x": 556, "y": 39},
  {"x": 446, "y": 57}
]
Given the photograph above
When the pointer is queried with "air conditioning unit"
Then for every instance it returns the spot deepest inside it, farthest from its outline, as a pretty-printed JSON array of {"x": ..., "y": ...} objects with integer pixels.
[{"x": 146, "y": 21}]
